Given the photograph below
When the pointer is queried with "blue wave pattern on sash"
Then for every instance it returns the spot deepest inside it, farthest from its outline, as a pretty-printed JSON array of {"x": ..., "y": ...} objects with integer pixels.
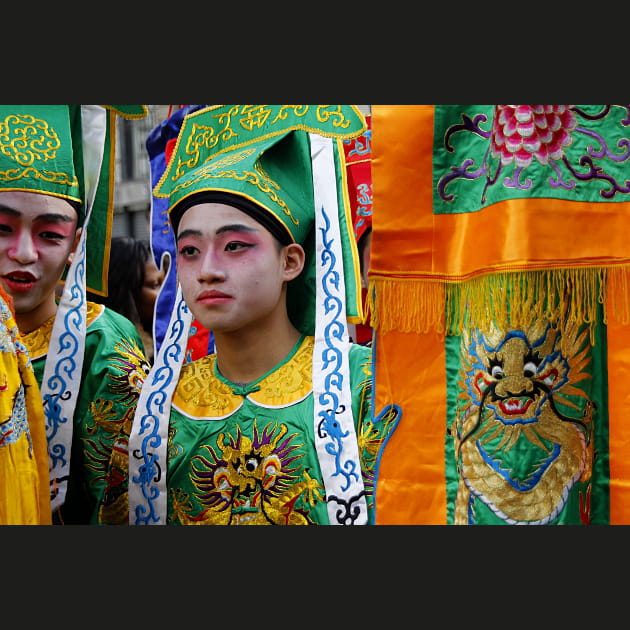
[
  {"x": 162, "y": 375},
  {"x": 65, "y": 366},
  {"x": 332, "y": 358}
]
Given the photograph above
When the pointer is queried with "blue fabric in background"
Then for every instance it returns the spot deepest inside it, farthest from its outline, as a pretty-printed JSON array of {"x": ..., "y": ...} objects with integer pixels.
[{"x": 162, "y": 236}]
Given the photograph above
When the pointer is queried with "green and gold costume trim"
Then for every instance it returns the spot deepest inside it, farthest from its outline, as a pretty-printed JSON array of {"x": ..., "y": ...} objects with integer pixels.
[
  {"x": 203, "y": 392},
  {"x": 37, "y": 340}
]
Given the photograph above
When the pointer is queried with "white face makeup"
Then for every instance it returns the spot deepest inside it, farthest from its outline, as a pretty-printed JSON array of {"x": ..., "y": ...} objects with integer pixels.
[
  {"x": 231, "y": 268},
  {"x": 38, "y": 234}
]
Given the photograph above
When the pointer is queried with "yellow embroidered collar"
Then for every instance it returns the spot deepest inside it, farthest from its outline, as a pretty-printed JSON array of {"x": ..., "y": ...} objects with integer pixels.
[
  {"x": 202, "y": 392},
  {"x": 37, "y": 340}
]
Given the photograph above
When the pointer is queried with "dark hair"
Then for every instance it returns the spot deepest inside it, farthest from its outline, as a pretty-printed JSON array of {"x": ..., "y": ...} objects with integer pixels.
[
  {"x": 126, "y": 275},
  {"x": 266, "y": 219},
  {"x": 78, "y": 206}
]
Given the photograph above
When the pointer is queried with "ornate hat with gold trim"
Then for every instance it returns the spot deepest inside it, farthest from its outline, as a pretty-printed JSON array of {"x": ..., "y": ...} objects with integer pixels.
[
  {"x": 47, "y": 149},
  {"x": 262, "y": 155}
]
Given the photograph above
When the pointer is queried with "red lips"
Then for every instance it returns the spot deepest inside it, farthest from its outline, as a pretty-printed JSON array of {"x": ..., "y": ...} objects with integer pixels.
[
  {"x": 213, "y": 297},
  {"x": 19, "y": 281}
]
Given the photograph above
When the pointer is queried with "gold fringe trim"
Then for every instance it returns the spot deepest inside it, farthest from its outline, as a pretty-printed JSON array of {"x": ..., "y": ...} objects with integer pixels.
[
  {"x": 509, "y": 298},
  {"x": 405, "y": 304}
]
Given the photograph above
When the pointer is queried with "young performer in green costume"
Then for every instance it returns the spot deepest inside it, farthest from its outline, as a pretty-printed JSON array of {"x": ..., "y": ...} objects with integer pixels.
[
  {"x": 276, "y": 426},
  {"x": 56, "y": 209}
]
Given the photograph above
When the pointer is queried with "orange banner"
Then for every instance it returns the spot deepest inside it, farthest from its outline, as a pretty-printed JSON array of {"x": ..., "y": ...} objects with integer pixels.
[{"x": 430, "y": 262}]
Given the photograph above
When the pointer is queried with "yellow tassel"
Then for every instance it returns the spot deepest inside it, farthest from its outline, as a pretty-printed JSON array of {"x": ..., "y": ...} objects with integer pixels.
[
  {"x": 508, "y": 298},
  {"x": 408, "y": 305},
  {"x": 618, "y": 285}
]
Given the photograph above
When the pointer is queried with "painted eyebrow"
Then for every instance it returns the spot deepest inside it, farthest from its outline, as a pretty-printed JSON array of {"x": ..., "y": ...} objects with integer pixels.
[
  {"x": 49, "y": 216},
  {"x": 233, "y": 227}
]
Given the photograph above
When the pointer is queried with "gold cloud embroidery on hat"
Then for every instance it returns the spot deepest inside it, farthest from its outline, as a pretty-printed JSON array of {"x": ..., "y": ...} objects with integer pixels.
[
  {"x": 26, "y": 139},
  {"x": 260, "y": 179},
  {"x": 204, "y": 138}
]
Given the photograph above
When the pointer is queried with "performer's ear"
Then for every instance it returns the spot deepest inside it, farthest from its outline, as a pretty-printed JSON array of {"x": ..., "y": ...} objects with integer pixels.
[{"x": 294, "y": 257}]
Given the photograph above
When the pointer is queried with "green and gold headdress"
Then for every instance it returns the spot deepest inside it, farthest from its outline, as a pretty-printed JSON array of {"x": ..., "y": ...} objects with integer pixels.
[
  {"x": 262, "y": 154},
  {"x": 48, "y": 149}
]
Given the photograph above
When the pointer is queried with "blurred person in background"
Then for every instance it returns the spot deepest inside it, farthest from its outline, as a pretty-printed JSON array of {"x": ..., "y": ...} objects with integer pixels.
[{"x": 133, "y": 286}]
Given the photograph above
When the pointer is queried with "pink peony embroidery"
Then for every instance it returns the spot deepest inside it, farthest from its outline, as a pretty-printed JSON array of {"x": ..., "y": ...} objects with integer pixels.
[{"x": 522, "y": 132}]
